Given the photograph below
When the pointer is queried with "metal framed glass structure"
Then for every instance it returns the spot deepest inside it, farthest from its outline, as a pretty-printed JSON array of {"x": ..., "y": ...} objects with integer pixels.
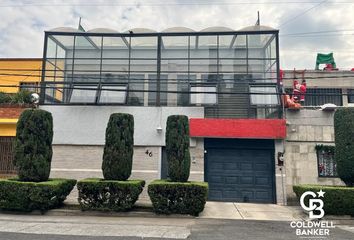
[{"x": 232, "y": 74}]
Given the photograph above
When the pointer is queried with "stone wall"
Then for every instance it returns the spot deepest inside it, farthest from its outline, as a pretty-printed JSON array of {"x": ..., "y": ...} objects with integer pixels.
[
  {"x": 80, "y": 162},
  {"x": 305, "y": 129}
]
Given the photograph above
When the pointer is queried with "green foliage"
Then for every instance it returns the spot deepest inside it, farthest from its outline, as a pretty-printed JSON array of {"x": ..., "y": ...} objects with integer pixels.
[
  {"x": 177, "y": 148},
  {"x": 108, "y": 195},
  {"x": 33, "y": 145},
  {"x": 21, "y": 97},
  {"x": 344, "y": 140},
  {"x": 28, "y": 196},
  {"x": 176, "y": 197},
  {"x": 5, "y": 98},
  {"x": 118, "y": 150},
  {"x": 337, "y": 200},
  {"x": 325, "y": 148}
]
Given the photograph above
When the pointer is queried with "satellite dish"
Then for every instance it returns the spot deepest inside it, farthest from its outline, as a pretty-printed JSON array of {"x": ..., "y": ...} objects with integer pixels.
[{"x": 328, "y": 107}]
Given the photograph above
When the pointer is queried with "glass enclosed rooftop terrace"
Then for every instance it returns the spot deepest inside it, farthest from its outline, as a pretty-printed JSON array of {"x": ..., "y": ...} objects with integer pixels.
[{"x": 232, "y": 74}]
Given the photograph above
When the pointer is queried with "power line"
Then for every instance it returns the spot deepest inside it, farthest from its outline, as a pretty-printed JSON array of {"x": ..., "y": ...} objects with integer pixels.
[
  {"x": 93, "y": 4},
  {"x": 318, "y": 32},
  {"x": 302, "y": 13}
]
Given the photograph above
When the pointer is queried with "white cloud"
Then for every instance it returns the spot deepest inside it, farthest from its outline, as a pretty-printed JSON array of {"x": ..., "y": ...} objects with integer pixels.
[{"x": 22, "y": 27}]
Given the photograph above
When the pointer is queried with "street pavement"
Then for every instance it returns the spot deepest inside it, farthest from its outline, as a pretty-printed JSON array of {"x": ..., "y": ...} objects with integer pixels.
[{"x": 40, "y": 227}]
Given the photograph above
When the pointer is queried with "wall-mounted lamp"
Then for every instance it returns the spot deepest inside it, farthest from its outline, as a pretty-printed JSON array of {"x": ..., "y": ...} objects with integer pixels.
[{"x": 159, "y": 129}]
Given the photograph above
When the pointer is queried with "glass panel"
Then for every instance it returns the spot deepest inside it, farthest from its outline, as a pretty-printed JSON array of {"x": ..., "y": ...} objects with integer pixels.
[
  {"x": 350, "y": 95},
  {"x": 86, "y": 70},
  {"x": 175, "y": 42},
  {"x": 66, "y": 41},
  {"x": 153, "y": 89},
  {"x": 144, "y": 47},
  {"x": 241, "y": 41},
  {"x": 115, "y": 42},
  {"x": 136, "y": 87},
  {"x": 262, "y": 98},
  {"x": 183, "y": 86},
  {"x": 113, "y": 94},
  {"x": 226, "y": 41},
  {"x": 83, "y": 94},
  {"x": 114, "y": 67},
  {"x": 51, "y": 49},
  {"x": 143, "y": 66},
  {"x": 203, "y": 66},
  {"x": 203, "y": 98}
]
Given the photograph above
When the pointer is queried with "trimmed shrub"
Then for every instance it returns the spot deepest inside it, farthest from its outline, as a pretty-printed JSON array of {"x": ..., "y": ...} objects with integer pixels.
[
  {"x": 33, "y": 145},
  {"x": 108, "y": 195},
  {"x": 337, "y": 200},
  {"x": 177, "y": 148},
  {"x": 344, "y": 141},
  {"x": 118, "y": 150},
  {"x": 175, "y": 197},
  {"x": 28, "y": 196}
]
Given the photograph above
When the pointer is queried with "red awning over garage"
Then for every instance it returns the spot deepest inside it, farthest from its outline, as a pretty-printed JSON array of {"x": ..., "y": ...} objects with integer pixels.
[{"x": 238, "y": 128}]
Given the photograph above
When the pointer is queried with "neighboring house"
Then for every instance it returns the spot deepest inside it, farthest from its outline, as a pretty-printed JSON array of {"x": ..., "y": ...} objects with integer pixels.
[
  {"x": 20, "y": 73},
  {"x": 15, "y": 74},
  {"x": 217, "y": 77},
  {"x": 311, "y": 126}
]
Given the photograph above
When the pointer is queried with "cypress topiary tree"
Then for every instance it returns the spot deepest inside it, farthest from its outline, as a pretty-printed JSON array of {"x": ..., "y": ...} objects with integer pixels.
[
  {"x": 118, "y": 150},
  {"x": 344, "y": 140},
  {"x": 33, "y": 145},
  {"x": 177, "y": 148}
]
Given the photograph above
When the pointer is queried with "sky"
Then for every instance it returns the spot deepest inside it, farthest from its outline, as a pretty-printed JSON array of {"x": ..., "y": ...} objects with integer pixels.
[{"x": 306, "y": 26}]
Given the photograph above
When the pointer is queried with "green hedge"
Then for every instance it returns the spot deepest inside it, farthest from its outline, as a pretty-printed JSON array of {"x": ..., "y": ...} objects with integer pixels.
[
  {"x": 108, "y": 195},
  {"x": 344, "y": 140},
  {"x": 119, "y": 147},
  {"x": 33, "y": 145},
  {"x": 337, "y": 200},
  {"x": 28, "y": 196},
  {"x": 177, "y": 148},
  {"x": 176, "y": 197}
]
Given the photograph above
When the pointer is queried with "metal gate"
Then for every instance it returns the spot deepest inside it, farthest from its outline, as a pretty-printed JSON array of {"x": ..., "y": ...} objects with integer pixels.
[
  {"x": 240, "y": 170},
  {"x": 7, "y": 167}
]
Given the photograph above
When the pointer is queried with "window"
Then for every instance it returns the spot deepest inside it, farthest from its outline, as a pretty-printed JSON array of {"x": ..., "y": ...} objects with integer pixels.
[
  {"x": 264, "y": 95},
  {"x": 201, "y": 97},
  {"x": 320, "y": 96},
  {"x": 327, "y": 166},
  {"x": 29, "y": 86},
  {"x": 113, "y": 94},
  {"x": 83, "y": 94},
  {"x": 350, "y": 95}
]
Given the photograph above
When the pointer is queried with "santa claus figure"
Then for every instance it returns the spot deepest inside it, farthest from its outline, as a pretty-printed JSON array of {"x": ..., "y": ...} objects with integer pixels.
[{"x": 299, "y": 91}]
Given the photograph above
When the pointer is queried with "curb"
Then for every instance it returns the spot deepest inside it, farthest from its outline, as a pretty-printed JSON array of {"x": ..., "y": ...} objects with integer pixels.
[{"x": 143, "y": 211}]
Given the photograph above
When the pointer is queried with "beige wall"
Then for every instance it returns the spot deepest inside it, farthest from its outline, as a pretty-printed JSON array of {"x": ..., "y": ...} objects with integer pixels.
[
  {"x": 79, "y": 162},
  {"x": 306, "y": 128}
]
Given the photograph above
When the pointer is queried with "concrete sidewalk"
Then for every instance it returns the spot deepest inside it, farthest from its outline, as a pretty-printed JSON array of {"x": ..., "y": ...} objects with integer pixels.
[{"x": 251, "y": 211}]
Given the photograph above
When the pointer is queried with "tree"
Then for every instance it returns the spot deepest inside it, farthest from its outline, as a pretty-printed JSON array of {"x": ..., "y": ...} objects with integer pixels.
[
  {"x": 118, "y": 150},
  {"x": 177, "y": 148},
  {"x": 344, "y": 140},
  {"x": 33, "y": 145}
]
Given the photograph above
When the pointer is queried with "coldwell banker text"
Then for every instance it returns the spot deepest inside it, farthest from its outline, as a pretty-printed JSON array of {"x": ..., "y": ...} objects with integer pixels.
[{"x": 312, "y": 228}]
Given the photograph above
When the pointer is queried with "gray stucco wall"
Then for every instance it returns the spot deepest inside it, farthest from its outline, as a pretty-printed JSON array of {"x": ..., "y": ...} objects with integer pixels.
[
  {"x": 86, "y": 125},
  {"x": 306, "y": 128}
]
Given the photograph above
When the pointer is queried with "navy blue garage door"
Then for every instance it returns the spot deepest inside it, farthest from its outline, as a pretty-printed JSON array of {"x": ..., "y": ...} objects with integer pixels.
[{"x": 240, "y": 170}]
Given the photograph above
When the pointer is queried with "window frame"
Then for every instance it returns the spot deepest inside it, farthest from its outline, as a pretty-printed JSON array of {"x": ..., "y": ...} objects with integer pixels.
[{"x": 318, "y": 149}]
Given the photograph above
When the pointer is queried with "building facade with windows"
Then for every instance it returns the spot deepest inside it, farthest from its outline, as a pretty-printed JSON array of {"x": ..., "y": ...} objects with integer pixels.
[
  {"x": 309, "y": 145},
  {"x": 225, "y": 81}
]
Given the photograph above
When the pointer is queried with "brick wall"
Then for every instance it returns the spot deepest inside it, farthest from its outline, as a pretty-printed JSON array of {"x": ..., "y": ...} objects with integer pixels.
[{"x": 12, "y": 112}]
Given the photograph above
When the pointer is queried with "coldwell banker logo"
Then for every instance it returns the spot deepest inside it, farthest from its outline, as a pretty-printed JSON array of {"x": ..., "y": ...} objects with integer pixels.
[{"x": 313, "y": 228}]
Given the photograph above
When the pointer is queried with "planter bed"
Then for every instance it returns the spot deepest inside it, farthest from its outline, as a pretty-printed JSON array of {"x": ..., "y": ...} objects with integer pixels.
[
  {"x": 108, "y": 195},
  {"x": 178, "y": 197},
  {"x": 27, "y": 196}
]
